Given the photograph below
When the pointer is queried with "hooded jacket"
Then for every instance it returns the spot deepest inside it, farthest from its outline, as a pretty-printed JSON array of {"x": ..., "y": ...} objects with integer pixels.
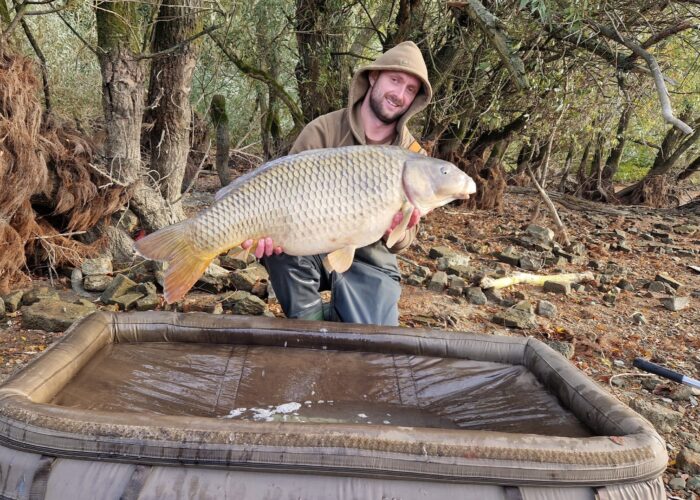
[{"x": 344, "y": 128}]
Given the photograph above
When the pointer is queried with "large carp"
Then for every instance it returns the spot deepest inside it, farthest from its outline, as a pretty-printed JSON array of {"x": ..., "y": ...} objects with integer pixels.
[{"x": 319, "y": 201}]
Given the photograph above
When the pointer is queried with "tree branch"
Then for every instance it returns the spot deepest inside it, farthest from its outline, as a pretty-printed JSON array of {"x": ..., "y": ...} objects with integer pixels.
[
  {"x": 492, "y": 28},
  {"x": 666, "y": 109},
  {"x": 178, "y": 46},
  {"x": 257, "y": 74}
]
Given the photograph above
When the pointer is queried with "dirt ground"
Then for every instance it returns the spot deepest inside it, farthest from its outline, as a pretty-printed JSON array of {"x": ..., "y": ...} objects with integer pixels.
[{"x": 604, "y": 337}]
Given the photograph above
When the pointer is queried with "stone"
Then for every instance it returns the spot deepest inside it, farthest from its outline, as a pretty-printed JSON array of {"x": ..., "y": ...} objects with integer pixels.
[
  {"x": 638, "y": 319},
  {"x": 146, "y": 288},
  {"x": 546, "y": 309},
  {"x": 515, "y": 318},
  {"x": 455, "y": 286},
  {"x": 438, "y": 281},
  {"x": 100, "y": 265},
  {"x": 530, "y": 263},
  {"x": 677, "y": 483},
  {"x": 662, "y": 225},
  {"x": 422, "y": 271},
  {"x": 260, "y": 289},
  {"x": 245, "y": 303},
  {"x": 2, "y": 308},
  {"x": 147, "y": 303},
  {"x": 625, "y": 285},
  {"x": 686, "y": 229},
  {"x": 576, "y": 249},
  {"x": 665, "y": 278},
  {"x": 119, "y": 286},
  {"x": 494, "y": 295},
  {"x": 415, "y": 280},
  {"x": 694, "y": 484},
  {"x": 662, "y": 418},
  {"x": 126, "y": 220},
  {"x": 578, "y": 287},
  {"x": 39, "y": 293},
  {"x": 13, "y": 300},
  {"x": 610, "y": 298},
  {"x": 689, "y": 461},
  {"x": 524, "y": 305},
  {"x": 564, "y": 348},
  {"x": 96, "y": 282},
  {"x": 559, "y": 288},
  {"x": 510, "y": 256},
  {"x": 443, "y": 263},
  {"x": 656, "y": 287},
  {"x": 54, "y": 315},
  {"x": 215, "y": 279},
  {"x": 544, "y": 234},
  {"x": 232, "y": 260},
  {"x": 475, "y": 296},
  {"x": 465, "y": 272},
  {"x": 675, "y": 303},
  {"x": 441, "y": 251},
  {"x": 127, "y": 300},
  {"x": 245, "y": 279}
]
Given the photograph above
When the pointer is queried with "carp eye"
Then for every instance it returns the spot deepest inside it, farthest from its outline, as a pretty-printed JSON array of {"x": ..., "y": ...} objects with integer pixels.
[{"x": 443, "y": 170}]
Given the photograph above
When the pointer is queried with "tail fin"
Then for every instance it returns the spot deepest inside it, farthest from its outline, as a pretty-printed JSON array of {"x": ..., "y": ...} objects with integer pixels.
[{"x": 172, "y": 244}]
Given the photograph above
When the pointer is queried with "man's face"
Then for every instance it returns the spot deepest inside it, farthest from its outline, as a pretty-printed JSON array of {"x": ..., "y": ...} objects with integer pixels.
[{"x": 392, "y": 93}]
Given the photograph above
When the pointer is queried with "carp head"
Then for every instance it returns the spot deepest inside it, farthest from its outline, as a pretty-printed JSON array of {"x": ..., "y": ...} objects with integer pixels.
[{"x": 430, "y": 183}]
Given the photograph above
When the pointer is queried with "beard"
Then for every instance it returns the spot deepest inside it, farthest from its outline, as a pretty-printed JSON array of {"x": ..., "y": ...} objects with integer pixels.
[{"x": 376, "y": 102}]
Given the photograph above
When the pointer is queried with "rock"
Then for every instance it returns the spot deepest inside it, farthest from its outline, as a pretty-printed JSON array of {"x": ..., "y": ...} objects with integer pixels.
[
  {"x": 578, "y": 287},
  {"x": 546, "y": 309},
  {"x": 146, "y": 288},
  {"x": 694, "y": 484},
  {"x": 530, "y": 263},
  {"x": 610, "y": 298},
  {"x": 126, "y": 220},
  {"x": 119, "y": 286},
  {"x": 214, "y": 279},
  {"x": 232, "y": 261},
  {"x": 2, "y": 308},
  {"x": 245, "y": 279},
  {"x": 97, "y": 282},
  {"x": 494, "y": 295},
  {"x": 686, "y": 229},
  {"x": 566, "y": 349},
  {"x": 54, "y": 315},
  {"x": 677, "y": 483},
  {"x": 127, "y": 300},
  {"x": 675, "y": 303},
  {"x": 457, "y": 259},
  {"x": 441, "y": 251},
  {"x": 662, "y": 418},
  {"x": 242, "y": 302},
  {"x": 689, "y": 461},
  {"x": 623, "y": 284},
  {"x": 93, "y": 267},
  {"x": 475, "y": 296},
  {"x": 39, "y": 293},
  {"x": 663, "y": 226},
  {"x": 260, "y": 289},
  {"x": 422, "y": 271},
  {"x": 510, "y": 256},
  {"x": 560, "y": 288},
  {"x": 455, "y": 286},
  {"x": 543, "y": 234},
  {"x": 595, "y": 264},
  {"x": 656, "y": 287},
  {"x": 13, "y": 300},
  {"x": 465, "y": 272},
  {"x": 515, "y": 318},
  {"x": 665, "y": 278},
  {"x": 438, "y": 281},
  {"x": 680, "y": 392},
  {"x": 147, "y": 303},
  {"x": 638, "y": 319},
  {"x": 646, "y": 237},
  {"x": 415, "y": 280},
  {"x": 524, "y": 305},
  {"x": 576, "y": 249}
]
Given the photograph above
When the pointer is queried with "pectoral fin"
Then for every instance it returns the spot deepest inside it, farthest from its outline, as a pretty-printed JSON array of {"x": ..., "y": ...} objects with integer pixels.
[
  {"x": 340, "y": 260},
  {"x": 399, "y": 231}
]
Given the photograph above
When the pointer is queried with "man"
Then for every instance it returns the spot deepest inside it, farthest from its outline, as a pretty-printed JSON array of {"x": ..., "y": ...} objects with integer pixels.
[{"x": 383, "y": 97}]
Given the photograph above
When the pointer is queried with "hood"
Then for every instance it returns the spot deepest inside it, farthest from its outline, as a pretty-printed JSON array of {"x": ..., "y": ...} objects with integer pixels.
[{"x": 405, "y": 57}]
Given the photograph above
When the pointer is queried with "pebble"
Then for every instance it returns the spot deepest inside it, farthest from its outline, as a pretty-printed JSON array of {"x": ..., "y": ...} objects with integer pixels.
[{"x": 675, "y": 303}]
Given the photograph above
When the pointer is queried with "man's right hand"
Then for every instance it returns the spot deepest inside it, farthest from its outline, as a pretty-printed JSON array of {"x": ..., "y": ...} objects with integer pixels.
[{"x": 265, "y": 247}]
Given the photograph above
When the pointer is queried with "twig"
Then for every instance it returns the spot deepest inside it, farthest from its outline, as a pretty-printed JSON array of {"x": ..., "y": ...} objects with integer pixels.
[
  {"x": 196, "y": 174},
  {"x": 534, "y": 279},
  {"x": 551, "y": 207},
  {"x": 72, "y": 233}
]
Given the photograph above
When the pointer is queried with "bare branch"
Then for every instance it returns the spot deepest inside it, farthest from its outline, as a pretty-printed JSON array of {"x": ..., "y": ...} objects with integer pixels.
[
  {"x": 180, "y": 45},
  {"x": 666, "y": 109}
]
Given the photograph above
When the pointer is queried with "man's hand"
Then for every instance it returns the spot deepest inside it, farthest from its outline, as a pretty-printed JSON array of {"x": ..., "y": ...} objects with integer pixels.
[
  {"x": 398, "y": 217},
  {"x": 265, "y": 247}
]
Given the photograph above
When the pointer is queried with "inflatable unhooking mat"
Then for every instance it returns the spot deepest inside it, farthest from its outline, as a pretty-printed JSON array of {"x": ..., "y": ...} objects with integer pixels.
[{"x": 164, "y": 405}]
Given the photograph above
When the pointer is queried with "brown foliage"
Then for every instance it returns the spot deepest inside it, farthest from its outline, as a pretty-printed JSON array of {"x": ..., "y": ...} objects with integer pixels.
[
  {"x": 490, "y": 181},
  {"x": 48, "y": 185}
]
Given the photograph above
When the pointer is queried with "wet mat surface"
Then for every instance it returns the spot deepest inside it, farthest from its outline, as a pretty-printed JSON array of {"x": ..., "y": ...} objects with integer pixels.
[{"x": 305, "y": 385}]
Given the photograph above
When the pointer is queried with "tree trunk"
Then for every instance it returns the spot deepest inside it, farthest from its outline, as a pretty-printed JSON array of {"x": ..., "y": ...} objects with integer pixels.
[
  {"x": 219, "y": 118},
  {"x": 613, "y": 162},
  {"x": 693, "y": 167},
  {"x": 122, "y": 101},
  {"x": 318, "y": 72},
  {"x": 567, "y": 168},
  {"x": 169, "y": 95}
]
